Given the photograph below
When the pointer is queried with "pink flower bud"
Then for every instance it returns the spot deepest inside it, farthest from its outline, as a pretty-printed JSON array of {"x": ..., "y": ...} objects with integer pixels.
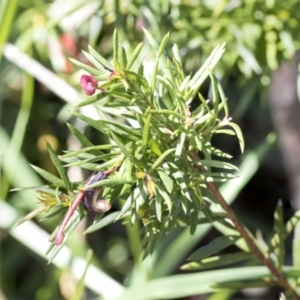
[{"x": 89, "y": 84}]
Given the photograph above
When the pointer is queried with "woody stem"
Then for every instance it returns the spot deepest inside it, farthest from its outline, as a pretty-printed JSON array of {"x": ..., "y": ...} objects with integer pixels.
[{"x": 242, "y": 230}]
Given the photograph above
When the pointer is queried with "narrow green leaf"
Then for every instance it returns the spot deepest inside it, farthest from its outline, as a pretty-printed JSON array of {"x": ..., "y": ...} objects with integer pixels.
[
  {"x": 62, "y": 172},
  {"x": 288, "y": 228},
  {"x": 168, "y": 85},
  {"x": 95, "y": 150},
  {"x": 115, "y": 45},
  {"x": 140, "y": 70},
  {"x": 146, "y": 131},
  {"x": 122, "y": 147},
  {"x": 133, "y": 217},
  {"x": 184, "y": 84},
  {"x": 178, "y": 176},
  {"x": 217, "y": 177},
  {"x": 215, "y": 94},
  {"x": 109, "y": 182},
  {"x": 206, "y": 211},
  {"x": 134, "y": 55},
  {"x": 217, "y": 261},
  {"x": 126, "y": 151},
  {"x": 96, "y": 63},
  {"x": 92, "y": 99},
  {"x": 279, "y": 230},
  {"x": 49, "y": 177},
  {"x": 176, "y": 53},
  {"x": 123, "y": 57},
  {"x": 223, "y": 98},
  {"x": 198, "y": 142},
  {"x": 101, "y": 59},
  {"x": 204, "y": 104},
  {"x": 125, "y": 83},
  {"x": 239, "y": 135},
  {"x": 176, "y": 74},
  {"x": 167, "y": 112},
  {"x": 81, "y": 137},
  {"x": 152, "y": 41},
  {"x": 215, "y": 246},
  {"x": 94, "y": 159},
  {"x": 128, "y": 170},
  {"x": 136, "y": 79},
  {"x": 73, "y": 223},
  {"x": 85, "y": 67},
  {"x": 140, "y": 196},
  {"x": 158, "y": 207},
  {"x": 112, "y": 163},
  {"x": 109, "y": 219},
  {"x": 154, "y": 147},
  {"x": 160, "y": 159},
  {"x": 163, "y": 44},
  {"x": 210, "y": 63},
  {"x": 160, "y": 51},
  {"x": 189, "y": 95},
  {"x": 127, "y": 129},
  {"x": 218, "y": 152},
  {"x": 180, "y": 145},
  {"x": 165, "y": 196},
  {"x": 37, "y": 187},
  {"x": 208, "y": 116},
  {"x": 216, "y": 164},
  {"x": 167, "y": 181},
  {"x": 224, "y": 131},
  {"x": 53, "y": 214},
  {"x": 126, "y": 206},
  {"x": 97, "y": 124},
  {"x": 31, "y": 215}
]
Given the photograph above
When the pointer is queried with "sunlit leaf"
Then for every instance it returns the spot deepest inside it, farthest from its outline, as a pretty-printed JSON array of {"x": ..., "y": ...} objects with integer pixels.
[
  {"x": 217, "y": 261},
  {"x": 239, "y": 135}
]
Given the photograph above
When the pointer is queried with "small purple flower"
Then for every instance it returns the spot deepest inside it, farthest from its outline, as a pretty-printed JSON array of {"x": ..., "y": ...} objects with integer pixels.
[{"x": 89, "y": 84}]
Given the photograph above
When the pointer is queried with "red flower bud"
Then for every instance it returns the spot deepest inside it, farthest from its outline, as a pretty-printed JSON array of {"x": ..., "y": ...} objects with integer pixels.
[{"x": 89, "y": 84}]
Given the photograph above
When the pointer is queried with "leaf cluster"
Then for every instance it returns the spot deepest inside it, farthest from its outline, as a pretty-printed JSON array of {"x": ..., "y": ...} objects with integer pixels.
[{"x": 155, "y": 137}]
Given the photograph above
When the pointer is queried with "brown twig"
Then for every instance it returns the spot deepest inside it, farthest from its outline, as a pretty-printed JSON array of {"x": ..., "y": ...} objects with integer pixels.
[{"x": 242, "y": 230}]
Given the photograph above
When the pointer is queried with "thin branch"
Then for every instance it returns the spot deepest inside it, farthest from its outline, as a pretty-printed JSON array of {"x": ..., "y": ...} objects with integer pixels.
[{"x": 242, "y": 230}]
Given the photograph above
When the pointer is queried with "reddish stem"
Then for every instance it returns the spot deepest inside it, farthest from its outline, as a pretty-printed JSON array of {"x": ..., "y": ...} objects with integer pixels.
[{"x": 60, "y": 234}]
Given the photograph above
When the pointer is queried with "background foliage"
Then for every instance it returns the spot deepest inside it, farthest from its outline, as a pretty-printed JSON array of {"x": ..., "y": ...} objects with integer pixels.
[{"x": 35, "y": 105}]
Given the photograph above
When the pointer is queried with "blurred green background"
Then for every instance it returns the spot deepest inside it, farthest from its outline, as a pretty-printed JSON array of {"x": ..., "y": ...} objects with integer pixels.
[{"x": 39, "y": 86}]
